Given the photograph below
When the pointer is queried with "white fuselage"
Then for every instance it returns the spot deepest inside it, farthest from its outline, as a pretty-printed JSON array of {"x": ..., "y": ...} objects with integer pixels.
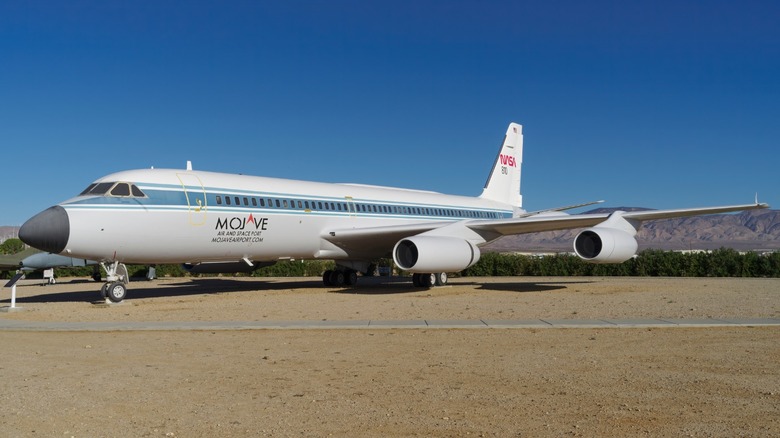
[{"x": 193, "y": 216}]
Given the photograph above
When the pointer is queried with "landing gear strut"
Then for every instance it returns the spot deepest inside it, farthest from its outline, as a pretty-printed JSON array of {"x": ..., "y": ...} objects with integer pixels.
[{"x": 115, "y": 288}]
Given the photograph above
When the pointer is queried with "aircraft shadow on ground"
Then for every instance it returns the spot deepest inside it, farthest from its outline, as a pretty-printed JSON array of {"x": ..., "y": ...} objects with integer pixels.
[
  {"x": 185, "y": 287},
  {"x": 399, "y": 285},
  {"x": 530, "y": 286},
  {"x": 210, "y": 286}
]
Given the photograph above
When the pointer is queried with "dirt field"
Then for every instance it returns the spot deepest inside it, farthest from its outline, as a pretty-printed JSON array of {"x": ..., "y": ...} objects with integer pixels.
[{"x": 395, "y": 382}]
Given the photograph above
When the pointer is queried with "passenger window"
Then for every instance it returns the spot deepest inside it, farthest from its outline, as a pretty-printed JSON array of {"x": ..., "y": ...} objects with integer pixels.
[
  {"x": 238, "y": 201},
  {"x": 254, "y": 202},
  {"x": 262, "y": 202},
  {"x": 219, "y": 200},
  {"x": 278, "y": 204},
  {"x": 227, "y": 200},
  {"x": 246, "y": 201}
]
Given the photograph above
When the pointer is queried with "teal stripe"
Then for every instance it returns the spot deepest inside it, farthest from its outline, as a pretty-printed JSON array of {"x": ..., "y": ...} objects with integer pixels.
[{"x": 161, "y": 197}]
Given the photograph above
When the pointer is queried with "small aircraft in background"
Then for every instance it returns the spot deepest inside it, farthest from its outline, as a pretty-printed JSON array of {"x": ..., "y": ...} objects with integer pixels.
[
  {"x": 234, "y": 222},
  {"x": 13, "y": 262},
  {"x": 31, "y": 259}
]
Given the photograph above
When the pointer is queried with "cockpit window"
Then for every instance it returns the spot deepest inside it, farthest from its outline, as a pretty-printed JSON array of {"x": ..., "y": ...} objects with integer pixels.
[
  {"x": 101, "y": 188},
  {"x": 119, "y": 189},
  {"x": 91, "y": 186}
]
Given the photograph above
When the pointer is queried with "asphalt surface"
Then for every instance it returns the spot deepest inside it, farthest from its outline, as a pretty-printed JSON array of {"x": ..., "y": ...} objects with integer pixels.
[{"x": 11, "y": 325}]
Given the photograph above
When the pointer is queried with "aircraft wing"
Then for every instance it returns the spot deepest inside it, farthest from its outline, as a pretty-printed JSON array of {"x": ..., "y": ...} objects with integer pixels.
[
  {"x": 379, "y": 240},
  {"x": 562, "y": 221}
]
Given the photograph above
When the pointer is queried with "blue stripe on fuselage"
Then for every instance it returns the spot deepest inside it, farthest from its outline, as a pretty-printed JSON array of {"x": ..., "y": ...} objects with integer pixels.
[{"x": 168, "y": 197}]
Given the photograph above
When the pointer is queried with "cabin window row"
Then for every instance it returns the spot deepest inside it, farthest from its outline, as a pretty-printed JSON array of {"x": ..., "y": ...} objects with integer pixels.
[{"x": 348, "y": 207}]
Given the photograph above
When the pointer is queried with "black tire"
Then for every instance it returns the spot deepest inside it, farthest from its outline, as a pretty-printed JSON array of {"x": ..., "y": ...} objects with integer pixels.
[
  {"x": 326, "y": 278},
  {"x": 104, "y": 290},
  {"x": 441, "y": 278},
  {"x": 416, "y": 280},
  {"x": 427, "y": 280},
  {"x": 117, "y": 292},
  {"x": 337, "y": 278},
  {"x": 350, "y": 278}
]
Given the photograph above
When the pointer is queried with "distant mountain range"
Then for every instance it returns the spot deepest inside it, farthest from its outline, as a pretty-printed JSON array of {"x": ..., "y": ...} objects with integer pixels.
[
  {"x": 8, "y": 232},
  {"x": 753, "y": 230}
]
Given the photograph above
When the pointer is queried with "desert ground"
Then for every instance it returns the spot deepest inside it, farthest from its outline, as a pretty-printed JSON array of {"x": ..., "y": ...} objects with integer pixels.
[{"x": 645, "y": 381}]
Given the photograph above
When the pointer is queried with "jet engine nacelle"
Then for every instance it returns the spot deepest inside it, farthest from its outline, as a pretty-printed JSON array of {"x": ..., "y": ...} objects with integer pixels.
[
  {"x": 435, "y": 254},
  {"x": 605, "y": 245}
]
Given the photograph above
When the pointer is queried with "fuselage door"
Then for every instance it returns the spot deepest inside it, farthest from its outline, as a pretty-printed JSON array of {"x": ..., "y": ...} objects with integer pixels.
[
  {"x": 351, "y": 207},
  {"x": 195, "y": 194}
]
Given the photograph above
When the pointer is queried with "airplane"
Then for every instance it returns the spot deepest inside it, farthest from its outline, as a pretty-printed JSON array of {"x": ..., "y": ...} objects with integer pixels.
[
  {"x": 227, "y": 222},
  {"x": 31, "y": 259},
  {"x": 44, "y": 261},
  {"x": 12, "y": 262}
]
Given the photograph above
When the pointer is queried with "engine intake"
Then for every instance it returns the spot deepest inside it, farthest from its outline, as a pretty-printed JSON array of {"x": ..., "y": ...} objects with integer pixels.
[
  {"x": 605, "y": 245},
  {"x": 435, "y": 254}
]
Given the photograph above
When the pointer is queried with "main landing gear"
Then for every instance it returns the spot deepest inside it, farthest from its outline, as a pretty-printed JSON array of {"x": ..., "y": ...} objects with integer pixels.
[
  {"x": 115, "y": 288},
  {"x": 340, "y": 277},
  {"x": 348, "y": 277},
  {"x": 430, "y": 280}
]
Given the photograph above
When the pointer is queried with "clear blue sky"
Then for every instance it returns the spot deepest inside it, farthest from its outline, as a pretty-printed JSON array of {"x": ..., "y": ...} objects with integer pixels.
[{"x": 660, "y": 104}]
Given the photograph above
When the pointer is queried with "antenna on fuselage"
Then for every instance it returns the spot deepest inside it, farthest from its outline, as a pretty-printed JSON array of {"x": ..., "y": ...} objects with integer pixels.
[{"x": 189, "y": 165}]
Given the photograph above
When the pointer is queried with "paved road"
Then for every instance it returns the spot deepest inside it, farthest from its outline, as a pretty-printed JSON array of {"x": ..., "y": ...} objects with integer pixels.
[{"x": 14, "y": 325}]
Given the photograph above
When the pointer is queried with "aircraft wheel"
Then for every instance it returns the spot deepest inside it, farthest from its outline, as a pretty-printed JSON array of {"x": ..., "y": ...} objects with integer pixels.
[
  {"x": 337, "y": 278},
  {"x": 326, "y": 278},
  {"x": 350, "y": 278},
  {"x": 117, "y": 292},
  {"x": 441, "y": 279},
  {"x": 104, "y": 290},
  {"x": 416, "y": 280},
  {"x": 427, "y": 280}
]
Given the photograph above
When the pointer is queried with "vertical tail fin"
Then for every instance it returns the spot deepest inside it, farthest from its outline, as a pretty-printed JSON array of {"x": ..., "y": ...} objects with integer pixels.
[{"x": 503, "y": 183}]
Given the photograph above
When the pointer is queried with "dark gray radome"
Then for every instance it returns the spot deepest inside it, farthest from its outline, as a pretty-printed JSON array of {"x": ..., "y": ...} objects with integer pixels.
[{"x": 48, "y": 230}]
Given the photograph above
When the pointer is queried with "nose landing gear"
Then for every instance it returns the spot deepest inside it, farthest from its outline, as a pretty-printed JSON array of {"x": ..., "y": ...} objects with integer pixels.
[{"x": 115, "y": 288}]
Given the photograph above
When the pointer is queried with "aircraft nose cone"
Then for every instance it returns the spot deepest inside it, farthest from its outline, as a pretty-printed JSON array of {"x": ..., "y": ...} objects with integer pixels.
[{"x": 48, "y": 230}]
